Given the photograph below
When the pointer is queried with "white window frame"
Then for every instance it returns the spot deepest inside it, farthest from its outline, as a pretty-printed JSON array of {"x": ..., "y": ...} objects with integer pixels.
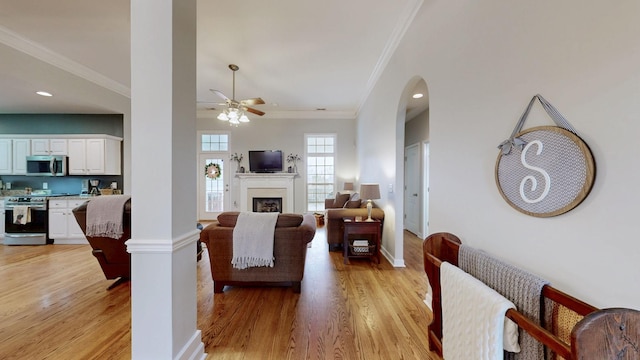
[{"x": 306, "y": 159}]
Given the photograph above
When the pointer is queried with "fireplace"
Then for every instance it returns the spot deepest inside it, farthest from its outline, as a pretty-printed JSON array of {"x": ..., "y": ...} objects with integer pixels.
[
  {"x": 266, "y": 186},
  {"x": 267, "y": 204}
]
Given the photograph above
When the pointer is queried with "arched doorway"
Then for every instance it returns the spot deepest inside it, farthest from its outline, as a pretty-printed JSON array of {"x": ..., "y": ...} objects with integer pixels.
[{"x": 413, "y": 129}]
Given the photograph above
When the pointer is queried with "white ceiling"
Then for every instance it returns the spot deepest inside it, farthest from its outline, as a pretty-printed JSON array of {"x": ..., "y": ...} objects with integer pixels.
[{"x": 299, "y": 56}]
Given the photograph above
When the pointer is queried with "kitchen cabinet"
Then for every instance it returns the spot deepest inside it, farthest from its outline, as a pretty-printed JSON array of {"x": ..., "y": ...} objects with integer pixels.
[
  {"x": 63, "y": 227},
  {"x": 13, "y": 156},
  {"x": 100, "y": 156},
  {"x": 2, "y": 211},
  {"x": 21, "y": 149},
  {"x": 6, "y": 158},
  {"x": 48, "y": 146}
]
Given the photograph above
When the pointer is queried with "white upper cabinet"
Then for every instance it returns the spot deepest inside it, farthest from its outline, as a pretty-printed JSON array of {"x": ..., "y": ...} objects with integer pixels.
[
  {"x": 94, "y": 157},
  {"x": 6, "y": 157},
  {"x": 21, "y": 149},
  {"x": 49, "y": 147},
  {"x": 89, "y": 154}
]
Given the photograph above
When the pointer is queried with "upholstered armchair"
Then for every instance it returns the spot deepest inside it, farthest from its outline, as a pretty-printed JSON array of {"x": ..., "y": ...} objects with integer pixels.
[
  {"x": 111, "y": 253},
  {"x": 345, "y": 205}
]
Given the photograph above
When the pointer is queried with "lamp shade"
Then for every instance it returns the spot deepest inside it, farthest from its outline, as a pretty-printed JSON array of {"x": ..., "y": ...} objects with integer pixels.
[
  {"x": 348, "y": 186},
  {"x": 369, "y": 191}
]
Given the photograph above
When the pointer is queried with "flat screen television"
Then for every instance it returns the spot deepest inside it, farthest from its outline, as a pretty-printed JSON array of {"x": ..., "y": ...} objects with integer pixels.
[{"x": 265, "y": 161}]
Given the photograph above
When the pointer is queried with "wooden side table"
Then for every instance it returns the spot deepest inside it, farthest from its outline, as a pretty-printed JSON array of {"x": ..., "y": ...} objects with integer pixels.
[{"x": 370, "y": 231}]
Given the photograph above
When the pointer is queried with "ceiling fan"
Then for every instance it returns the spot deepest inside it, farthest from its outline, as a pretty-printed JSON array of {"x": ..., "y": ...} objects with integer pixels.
[{"x": 235, "y": 111}]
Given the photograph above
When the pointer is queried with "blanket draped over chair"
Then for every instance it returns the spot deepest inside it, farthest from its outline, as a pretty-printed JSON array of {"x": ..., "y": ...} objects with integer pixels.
[
  {"x": 472, "y": 317},
  {"x": 253, "y": 240},
  {"x": 105, "y": 216},
  {"x": 521, "y": 287}
]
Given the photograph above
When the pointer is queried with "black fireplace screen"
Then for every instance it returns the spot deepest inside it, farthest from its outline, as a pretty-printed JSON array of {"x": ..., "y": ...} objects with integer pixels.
[{"x": 267, "y": 204}]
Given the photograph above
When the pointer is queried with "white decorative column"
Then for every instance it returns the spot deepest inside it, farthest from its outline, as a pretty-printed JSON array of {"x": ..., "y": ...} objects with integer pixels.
[
  {"x": 266, "y": 185},
  {"x": 163, "y": 129}
]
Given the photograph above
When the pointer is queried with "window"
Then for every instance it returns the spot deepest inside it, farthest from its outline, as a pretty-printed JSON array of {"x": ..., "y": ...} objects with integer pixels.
[
  {"x": 215, "y": 142},
  {"x": 321, "y": 174}
]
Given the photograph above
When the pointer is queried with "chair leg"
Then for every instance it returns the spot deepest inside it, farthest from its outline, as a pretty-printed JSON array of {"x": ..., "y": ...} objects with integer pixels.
[
  {"x": 217, "y": 287},
  {"x": 120, "y": 280},
  {"x": 297, "y": 287}
]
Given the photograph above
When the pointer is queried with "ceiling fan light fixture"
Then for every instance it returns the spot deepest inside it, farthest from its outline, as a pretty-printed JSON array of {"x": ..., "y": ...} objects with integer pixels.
[{"x": 235, "y": 111}]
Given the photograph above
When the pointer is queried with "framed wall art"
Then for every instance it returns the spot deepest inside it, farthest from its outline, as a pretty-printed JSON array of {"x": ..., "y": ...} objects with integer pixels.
[{"x": 547, "y": 170}]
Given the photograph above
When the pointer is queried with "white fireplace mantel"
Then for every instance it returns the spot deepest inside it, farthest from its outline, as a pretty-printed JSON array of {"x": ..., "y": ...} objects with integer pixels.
[{"x": 266, "y": 185}]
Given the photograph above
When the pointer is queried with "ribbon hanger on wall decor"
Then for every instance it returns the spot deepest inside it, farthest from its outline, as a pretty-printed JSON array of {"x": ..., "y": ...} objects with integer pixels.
[
  {"x": 514, "y": 141},
  {"x": 546, "y": 170}
]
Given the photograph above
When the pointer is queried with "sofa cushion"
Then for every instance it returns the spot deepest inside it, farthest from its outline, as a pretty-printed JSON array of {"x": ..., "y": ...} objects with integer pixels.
[
  {"x": 229, "y": 218},
  {"x": 340, "y": 200},
  {"x": 352, "y": 204}
]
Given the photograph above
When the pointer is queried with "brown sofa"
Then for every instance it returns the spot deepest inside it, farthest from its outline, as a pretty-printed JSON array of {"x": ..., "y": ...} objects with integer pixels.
[
  {"x": 112, "y": 254},
  {"x": 341, "y": 207},
  {"x": 292, "y": 234}
]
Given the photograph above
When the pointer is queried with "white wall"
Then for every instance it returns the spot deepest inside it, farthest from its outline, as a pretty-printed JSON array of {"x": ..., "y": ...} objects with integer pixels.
[
  {"x": 288, "y": 135},
  {"x": 483, "y": 61}
]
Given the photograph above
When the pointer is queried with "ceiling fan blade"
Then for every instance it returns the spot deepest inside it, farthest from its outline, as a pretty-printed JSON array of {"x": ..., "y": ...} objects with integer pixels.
[
  {"x": 212, "y": 102},
  {"x": 219, "y": 93},
  {"x": 251, "y": 110},
  {"x": 252, "y": 101}
]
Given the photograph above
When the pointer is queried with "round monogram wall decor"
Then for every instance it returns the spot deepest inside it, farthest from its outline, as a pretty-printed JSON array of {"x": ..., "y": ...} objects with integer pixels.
[{"x": 549, "y": 172}]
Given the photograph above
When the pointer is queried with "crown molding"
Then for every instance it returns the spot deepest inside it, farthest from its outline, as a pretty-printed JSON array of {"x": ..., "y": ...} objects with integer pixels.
[
  {"x": 42, "y": 53},
  {"x": 403, "y": 23}
]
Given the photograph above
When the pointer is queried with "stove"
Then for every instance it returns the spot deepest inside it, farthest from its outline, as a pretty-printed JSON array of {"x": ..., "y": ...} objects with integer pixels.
[
  {"x": 26, "y": 220},
  {"x": 25, "y": 200}
]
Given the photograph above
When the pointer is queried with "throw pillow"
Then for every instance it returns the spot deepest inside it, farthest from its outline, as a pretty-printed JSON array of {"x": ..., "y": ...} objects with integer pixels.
[
  {"x": 355, "y": 196},
  {"x": 340, "y": 200}
]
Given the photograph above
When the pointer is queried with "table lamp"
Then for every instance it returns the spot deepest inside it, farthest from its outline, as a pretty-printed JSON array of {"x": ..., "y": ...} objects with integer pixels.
[
  {"x": 348, "y": 186},
  {"x": 369, "y": 192}
]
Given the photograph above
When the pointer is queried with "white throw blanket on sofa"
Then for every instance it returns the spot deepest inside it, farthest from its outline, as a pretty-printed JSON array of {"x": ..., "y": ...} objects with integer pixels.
[
  {"x": 473, "y": 321},
  {"x": 253, "y": 240}
]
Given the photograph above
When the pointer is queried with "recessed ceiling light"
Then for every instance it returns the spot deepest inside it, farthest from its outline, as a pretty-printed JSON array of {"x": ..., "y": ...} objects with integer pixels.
[
  {"x": 43, "y": 93},
  {"x": 417, "y": 96}
]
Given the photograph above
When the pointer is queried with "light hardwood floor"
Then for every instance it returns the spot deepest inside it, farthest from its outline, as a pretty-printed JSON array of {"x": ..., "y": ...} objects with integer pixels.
[{"x": 54, "y": 305}]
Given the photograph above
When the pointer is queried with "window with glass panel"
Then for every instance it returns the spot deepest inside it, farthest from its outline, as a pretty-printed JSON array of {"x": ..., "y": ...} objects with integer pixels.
[
  {"x": 215, "y": 142},
  {"x": 320, "y": 160}
]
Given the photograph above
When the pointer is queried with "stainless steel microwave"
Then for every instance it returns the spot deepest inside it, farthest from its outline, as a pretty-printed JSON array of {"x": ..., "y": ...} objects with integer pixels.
[{"x": 47, "y": 165}]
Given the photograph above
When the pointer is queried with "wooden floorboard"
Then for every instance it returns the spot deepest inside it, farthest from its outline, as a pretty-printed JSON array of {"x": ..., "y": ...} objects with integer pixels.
[{"x": 54, "y": 305}]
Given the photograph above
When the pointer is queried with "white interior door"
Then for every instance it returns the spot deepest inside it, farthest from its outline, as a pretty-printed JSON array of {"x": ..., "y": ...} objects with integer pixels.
[
  {"x": 412, "y": 189},
  {"x": 425, "y": 190},
  {"x": 213, "y": 194}
]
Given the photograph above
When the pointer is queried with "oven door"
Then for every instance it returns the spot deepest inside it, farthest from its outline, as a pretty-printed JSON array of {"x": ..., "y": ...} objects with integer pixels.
[{"x": 31, "y": 233}]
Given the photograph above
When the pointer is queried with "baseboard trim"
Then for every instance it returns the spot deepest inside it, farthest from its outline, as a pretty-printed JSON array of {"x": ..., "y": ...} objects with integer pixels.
[
  {"x": 194, "y": 349},
  {"x": 394, "y": 262}
]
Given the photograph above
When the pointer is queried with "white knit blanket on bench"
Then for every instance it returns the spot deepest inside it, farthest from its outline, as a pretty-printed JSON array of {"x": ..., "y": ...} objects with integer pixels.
[{"x": 253, "y": 238}]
